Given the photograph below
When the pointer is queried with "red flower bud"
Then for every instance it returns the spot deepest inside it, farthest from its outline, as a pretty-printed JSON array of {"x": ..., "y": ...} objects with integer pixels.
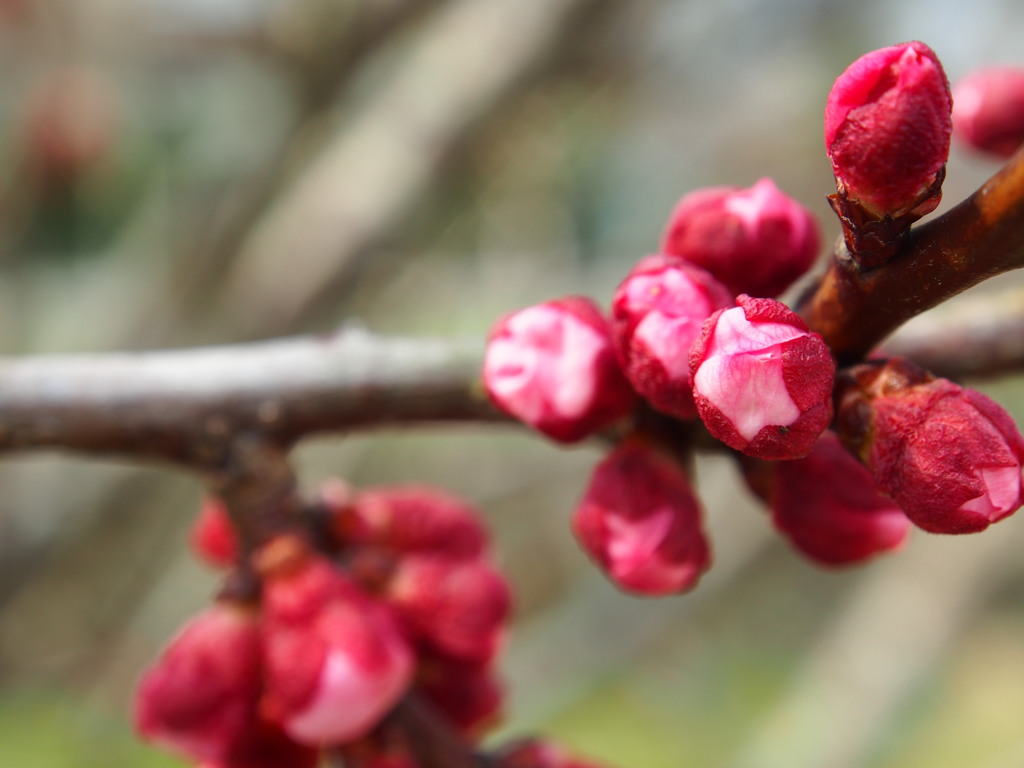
[
  {"x": 887, "y": 129},
  {"x": 265, "y": 745},
  {"x": 641, "y": 523},
  {"x": 657, "y": 314},
  {"x": 540, "y": 754},
  {"x": 949, "y": 456},
  {"x": 762, "y": 382},
  {"x": 200, "y": 697},
  {"x": 455, "y": 607},
  {"x": 552, "y": 366},
  {"x": 826, "y": 504},
  {"x": 469, "y": 694},
  {"x": 409, "y": 519},
  {"x": 756, "y": 241},
  {"x": 213, "y": 536},
  {"x": 336, "y": 661},
  {"x": 988, "y": 110}
]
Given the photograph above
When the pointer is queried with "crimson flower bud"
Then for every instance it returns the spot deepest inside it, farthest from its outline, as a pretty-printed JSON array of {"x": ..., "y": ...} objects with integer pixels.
[
  {"x": 756, "y": 241},
  {"x": 408, "y": 519},
  {"x": 468, "y": 693},
  {"x": 762, "y": 381},
  {"x": 200, "y": 697},
  {"x": 535, "y": 753},
  {"x": 265, "y": 745},
  {"x": 826, "y": 504},
  {"x": 641, "y": 523},
  {"x": 213, "y": 536},
  {"x": 657, "y": 314},
  {"x": 988, "y": 110},
  {"x": 552, "y": 366},
  {"x": 335, "y": 660},
  {"x": 948, "y": 455},
  {"x": 455, "y": 607},
  {"x": 887, "y": 129}
]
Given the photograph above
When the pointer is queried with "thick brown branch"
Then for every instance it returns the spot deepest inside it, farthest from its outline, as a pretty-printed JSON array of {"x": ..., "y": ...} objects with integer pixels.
[
  {"x": 189, "y": 406},
  {"x": 983, "y": 236}
]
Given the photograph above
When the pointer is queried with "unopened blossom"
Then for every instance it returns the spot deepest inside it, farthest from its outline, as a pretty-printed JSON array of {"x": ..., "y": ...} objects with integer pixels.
[
  {"x": 948, "y": 455},
  {"x": 762, "y": 381},
  {"x": 988, "y": 110},
  {"x": 213, "y": 536},
  {"x": 657, "y": 313},
  {"x": 335, "y": 660},
  {"x": 887, "y": 130},
  {"x": 200, "y": 697},
  {"x": 827, "y": 505},
  {"x": 640, "y": 521},
  {"x": 455, "y": 607},
  {"x": 468, "y": 693},
  {"x": 553, "y": 367},
  {"x": 757, "y": 240}
]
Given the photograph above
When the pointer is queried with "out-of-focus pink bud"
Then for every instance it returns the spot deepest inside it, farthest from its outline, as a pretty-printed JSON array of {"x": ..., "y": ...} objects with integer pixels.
[
  {"x": 213, "y": 537},
  {"x": 988, "y": 110},
  {"x": 756, "y": 241},
  {"x": 540, "y": 754},
  {"x": 948, "y": 455},
  {"x": 657, "y": 314},
  {"x": 887, "y": 129},
  {"x": 641, "y": 523},
  {"x": 469, "y": 694},
  {"x": 826, "y": 504},
  {"x": 762, "y": 381},
  {"x": 552, "y": 366},
  {"x": 335, "y": 660},
  {"x": 199, "y": 698},
  {"x": 455, "y": 607},
  {"x": 408, "y": 519}
]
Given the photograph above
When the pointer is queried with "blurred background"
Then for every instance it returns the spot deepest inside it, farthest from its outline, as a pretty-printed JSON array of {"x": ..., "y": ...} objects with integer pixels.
[{"x": 181, "y": 172}]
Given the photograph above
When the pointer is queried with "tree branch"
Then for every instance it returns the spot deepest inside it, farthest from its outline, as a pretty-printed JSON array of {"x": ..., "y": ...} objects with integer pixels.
[
  {"x": 981, "y": 237},
  {"x": 188, "y": 406}
]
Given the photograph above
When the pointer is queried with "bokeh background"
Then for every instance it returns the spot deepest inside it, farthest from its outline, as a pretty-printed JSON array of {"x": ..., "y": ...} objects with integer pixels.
[{"x": 181, "y": 172}]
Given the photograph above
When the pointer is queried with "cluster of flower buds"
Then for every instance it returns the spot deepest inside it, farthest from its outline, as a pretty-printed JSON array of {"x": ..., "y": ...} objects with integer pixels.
[
  {"x": 696, "y": 331},
  {"x": 404, "y": 594},
  {"x": 988, "y": 110}
]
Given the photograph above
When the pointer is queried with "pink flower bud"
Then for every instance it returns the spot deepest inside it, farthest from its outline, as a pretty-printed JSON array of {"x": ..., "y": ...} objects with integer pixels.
[
  {"x": 336, "y": 661},
  {"x": 552, "y": 366},
  {"x": 468, "y": 693},
  {"x": 409, "y": 519},
  {"x": 641, "y": 523},
  {"x": 657, "y": 314},
  {"x": 455, "y": 607},
  {"x": 200, "y": 697},
  {"x": 265, "y": 745},
  {"x": 827, "y": 506},
  {"x": 213, "y": 537},
  {"x": 988, "y": 110},
  {"x": 887, "y": 129},
  {"x": 756, "y": 241},
  {"x": 949, "y": 456},
  {"x": 535, "y": 753},
  {"x": 762, "y": 382}
]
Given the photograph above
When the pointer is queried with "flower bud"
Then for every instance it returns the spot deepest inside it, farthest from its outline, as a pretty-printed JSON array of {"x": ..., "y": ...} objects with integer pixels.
[
  {"x": 265, "y": 745},
  {"x": 949, "y": 456},
  {"x": 213, "y": 536},
  {"x": 552, "y": 366},
  {"x": 755, "y": 241},
  {"x": 641, "y": 523},
  {"x": 336, "y": 661},
  {"x": 657, "y": 314},
  {"x": 762, "y": 381},
  {"x": 468, "y": 693},
  {"x": 826, "y": 504},
  {"x": 988, "y": 110},
  {"x": 535, "y": 753},
  {"x": 408, "y": 519},
  {"x": 199, "y": 698},
  {"x": 887, "y": 129},
  {"x": 455, "y": 607}
]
